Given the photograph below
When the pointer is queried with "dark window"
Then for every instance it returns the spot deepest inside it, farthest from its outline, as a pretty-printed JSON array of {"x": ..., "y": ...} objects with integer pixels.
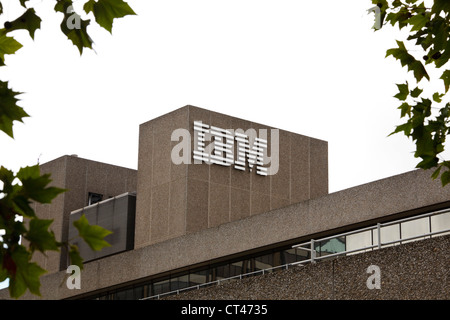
[
  {"x": 161, "y": 287},
  {"x": 94, "y": 198}
]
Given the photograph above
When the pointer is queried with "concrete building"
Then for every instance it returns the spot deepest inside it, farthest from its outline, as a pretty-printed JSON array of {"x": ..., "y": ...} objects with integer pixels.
[{"x": 216, "y": 197}]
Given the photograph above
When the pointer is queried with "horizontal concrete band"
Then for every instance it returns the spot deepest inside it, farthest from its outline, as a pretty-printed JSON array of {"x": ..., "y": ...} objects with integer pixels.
[{"x": 377, "y": 200}]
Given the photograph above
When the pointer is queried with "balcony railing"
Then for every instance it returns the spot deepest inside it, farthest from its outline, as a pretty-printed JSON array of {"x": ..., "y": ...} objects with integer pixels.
[{"x": 376, "y": 233}]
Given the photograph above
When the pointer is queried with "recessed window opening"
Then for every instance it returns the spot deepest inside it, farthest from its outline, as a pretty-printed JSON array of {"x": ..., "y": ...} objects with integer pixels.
[{"x": 94, "y": 198}]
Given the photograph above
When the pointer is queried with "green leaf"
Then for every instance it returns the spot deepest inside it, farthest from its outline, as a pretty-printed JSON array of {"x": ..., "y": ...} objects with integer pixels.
[
  {"x": 401, "y": 17},
  {"x": 73, "y": 26},
  {"x": 7, "y": 177},
  {"x": 408, "y": 60},
  {"x": 441, "y": 58},
  {"x": 418, "y": 21},
  {"x": 445, "y": 178},
  {"x": 416, "y": 92},
  {"x": 22, "y": 2},
  {"x": 22, "y": 205},
  {"x": 75, "y": 258},
  {"x": 428, "y": 162},
  {"x": 8, "y": 45},
  {"x": 27, "y": 274},
  {"x": 34, "y": 185},
  {"x": 92, "y": 234},
  {"x": 446, "y": 78},
  {"x": 438, "y": 33},
  {"x": 436, "y": 173},
  {"x": 105, "y": 11},
  {"x": 28, "y": 21},
  {"x": 403, "y": 91},
  {"x": 9, "y": 111},
  {"x": 40, "y": 237},
  {"x": 406, "y": 128},
  {"x": 405, "y": 109},
  {"x": 440, "y": 5},
  {"x": 437, "y": 97},
  {"x": 63, "y": 5}
]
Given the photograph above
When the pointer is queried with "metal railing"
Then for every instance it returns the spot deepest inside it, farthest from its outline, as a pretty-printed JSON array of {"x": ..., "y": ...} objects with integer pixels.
[
  {"x": 217, "y": 282},
  {"x": 313, "y": 253},
  {"x": 379, "y": 243}
]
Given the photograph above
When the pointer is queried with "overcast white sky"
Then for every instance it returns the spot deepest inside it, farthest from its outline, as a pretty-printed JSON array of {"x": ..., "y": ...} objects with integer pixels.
[{"x": 312, "y": 67}]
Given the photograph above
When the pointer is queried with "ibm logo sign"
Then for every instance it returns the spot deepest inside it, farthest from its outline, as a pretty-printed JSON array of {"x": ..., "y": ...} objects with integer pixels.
[
  {"x": 214, "y": 145},
  {"x": 223, "y": 148}
]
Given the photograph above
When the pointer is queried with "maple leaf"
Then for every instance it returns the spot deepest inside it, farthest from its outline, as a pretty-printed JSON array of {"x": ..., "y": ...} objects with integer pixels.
[
  {"x": 73, "y": 26},
  {"x": 9, "y": 111},
  {"x": 105, "y": 11},
  {"x": 28, "y": 21}
]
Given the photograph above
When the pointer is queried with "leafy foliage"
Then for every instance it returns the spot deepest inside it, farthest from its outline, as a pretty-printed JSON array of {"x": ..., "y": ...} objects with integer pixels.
[
  {"x": 105, "y": 11},
  {"x": 10, "y": 111},
  {"x": 15, "y": 259},
  {"x": 427, "y": 118},
  {"x": 73, "y": 26},
  {"x": 28, "y": 21},
  {"x": 19, "y": 190},
  {"x": 93, "y": 235}
]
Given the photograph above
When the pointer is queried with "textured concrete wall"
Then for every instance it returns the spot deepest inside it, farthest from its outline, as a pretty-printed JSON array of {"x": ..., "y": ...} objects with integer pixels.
[
  {"x": 178, "y": 199},
  {"x": 57, "y": 169},
  {"x": 416, "y": 270}
]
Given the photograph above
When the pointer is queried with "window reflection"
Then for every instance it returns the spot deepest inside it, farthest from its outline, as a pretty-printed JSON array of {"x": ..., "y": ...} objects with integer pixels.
[
  {"x": 236, "y": 268},
  {"x": 199, "y": 277},
  {"x": 264, "y": 262},
  {"x": 221, "y": 272},
  {"x": 334, "y": 245},
  {"x": 180, "y": 282},
  {"x": 127, "y": 294},
  {"x": 161, "y": 287}
]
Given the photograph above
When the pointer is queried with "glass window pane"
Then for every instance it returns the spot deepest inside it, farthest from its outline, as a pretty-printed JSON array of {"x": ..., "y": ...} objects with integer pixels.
[
  {"x": 288, "y": 256},
  {"x": 180, "y": 282},
  {"x": 358, "y": 241},
  {"x": 139, "y": 292},
  {"x": 330, "y": 246},
  {"x": 247, "y": 265},
  {"x": 236, "y": 268},
  {"x": 440, "y": 222},
  {"x": 127, "y": 294},
  {"x": 388, "y": 233},
  {"x": 183, "y": 281},
  {"x": 199, "y": 277},
  {"x": 263, "y": 262},
  {"x": 276, "y": 259},
  {"x": 222, "y": 272},
  {"x": 302, "y": 254},
  {"x": 415, "y": 228},
  {"x": 161, "y": 286}
]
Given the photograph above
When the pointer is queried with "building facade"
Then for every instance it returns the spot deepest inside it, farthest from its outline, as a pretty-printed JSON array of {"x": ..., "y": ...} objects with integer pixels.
[{"x": 216, "y": 197}]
